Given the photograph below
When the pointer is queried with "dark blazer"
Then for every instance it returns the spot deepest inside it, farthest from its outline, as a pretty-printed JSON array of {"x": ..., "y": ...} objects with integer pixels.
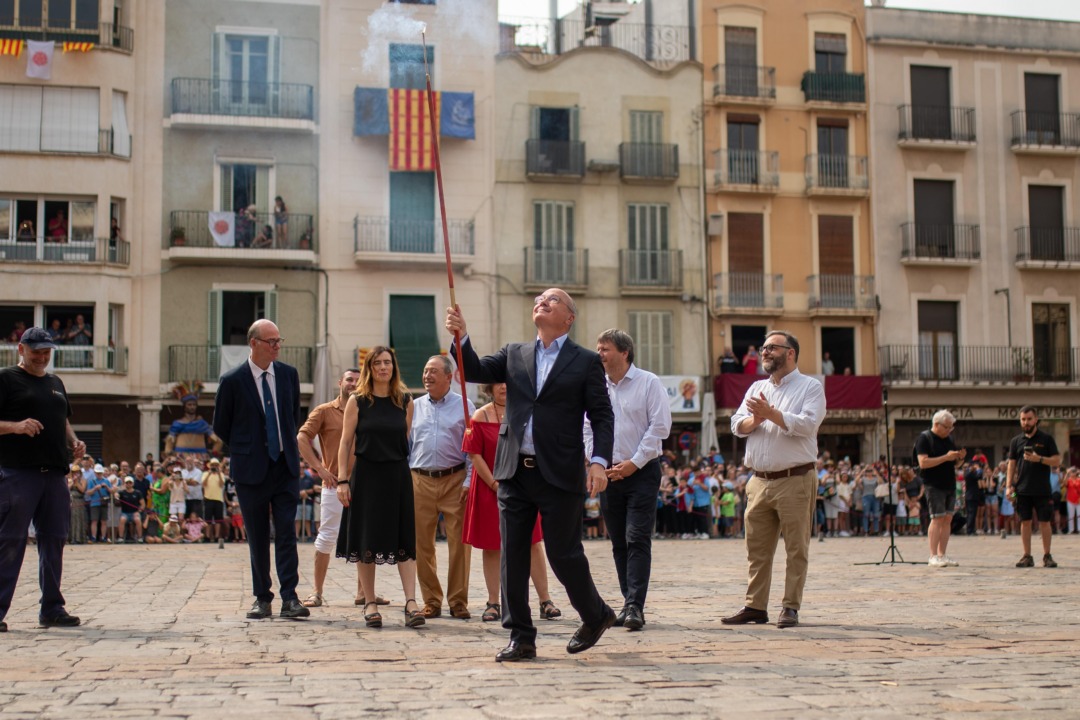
[
  {"x": 575, "y": 387},
  {"x": 239, "y": 421}
]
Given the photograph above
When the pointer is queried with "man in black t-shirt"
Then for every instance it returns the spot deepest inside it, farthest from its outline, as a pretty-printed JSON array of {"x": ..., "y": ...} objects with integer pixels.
[
  {"x": 938, "y": 455},
  {"x": 1031, "y": 456},
  {"x": 36, "y": 447},
  {"x": 131, "y": 506},
  {"x": 974, "y": 497}
]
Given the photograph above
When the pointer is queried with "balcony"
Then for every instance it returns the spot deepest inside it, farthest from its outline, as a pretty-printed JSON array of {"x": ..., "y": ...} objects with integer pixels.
[
  {"x": 834, "y": 90},
  {"x": 555, "y": 160},
  {"x": 25, "y": 133},
  {"x": 1048, "y": 248},
  {"x": 744, "y": 85},
  {"x": 649, "y": 162},
  {"x": 202, "y": 102},
  {"x": 966, "y": 364},
  {"x": 939, "y": 245},
  {"x": 841, "y": 295},
  {"x": 1045, "y": 133},
  {"x": 105, "y": 36},
  {"x": 662, "y": 44},
  {"x": 190, "y": 241},
  {"x": 743, "y": 293},
  {"x": 87, "y": 251},
  {"x": 547, "y": 267},
  {"x": 76, "y": 358},
  {"x": 842, "y": 175},
  {"x": 650, "y": 272},
  {"x": 208, "y": 362},
  {"x": 746, "y": 171},
  {"x": 392, "y": 242},
  {"x": 942, "y": 128}
]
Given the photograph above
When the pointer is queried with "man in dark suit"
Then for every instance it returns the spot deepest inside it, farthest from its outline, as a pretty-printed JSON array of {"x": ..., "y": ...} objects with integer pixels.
[
  {"x": 551, "y": 384},
  {"x": 257, "y": 412}
]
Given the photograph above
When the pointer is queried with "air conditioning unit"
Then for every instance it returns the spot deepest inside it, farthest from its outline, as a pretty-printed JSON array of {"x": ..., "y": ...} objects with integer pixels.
[{"x": 715, "y": 227}]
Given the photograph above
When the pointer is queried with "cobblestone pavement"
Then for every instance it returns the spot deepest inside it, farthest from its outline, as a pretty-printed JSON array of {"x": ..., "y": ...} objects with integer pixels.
[{"x": 164, "y": 635}]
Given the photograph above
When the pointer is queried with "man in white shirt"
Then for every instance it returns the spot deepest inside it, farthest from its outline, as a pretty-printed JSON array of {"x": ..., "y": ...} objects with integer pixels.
[
  {"x": 192, "y": 474},
  {"x": 779, "y": 417},
  {"x": 642, "y": 422}
]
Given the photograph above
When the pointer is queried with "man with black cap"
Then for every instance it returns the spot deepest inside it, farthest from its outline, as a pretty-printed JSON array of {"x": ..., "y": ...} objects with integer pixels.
[{"x": 36, "y": 448}]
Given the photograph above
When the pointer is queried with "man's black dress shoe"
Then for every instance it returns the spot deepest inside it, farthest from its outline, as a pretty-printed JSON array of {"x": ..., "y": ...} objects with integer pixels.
[
  {"x": 746, "y": 615},
  {"x": 621, "y": 617},
  {"x": 260, "y": 610},
  {"x": 293, "y": 610},
  {"x": 586, "y": 637},
  {"x": 60, "y": 619},
  {"x": 516, "y": 651},
  {"x": 635, "y": 619},
  {"x": 789, "y": 617},
  {"x": 3, "y": 626}
]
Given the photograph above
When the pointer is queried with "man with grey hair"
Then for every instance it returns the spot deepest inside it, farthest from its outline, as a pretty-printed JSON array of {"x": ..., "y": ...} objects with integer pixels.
[
  {"x": 642, "y": 422},
  {"x": 938, "y": 456},
  {"x": 440, "y": 485},
  {"x": 779, "y": 417}
]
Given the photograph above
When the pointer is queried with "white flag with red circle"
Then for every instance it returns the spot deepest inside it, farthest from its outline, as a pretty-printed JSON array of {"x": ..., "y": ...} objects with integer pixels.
[
  {"x": 223, "y": 228},
  {"x": 39, "y": 59}
]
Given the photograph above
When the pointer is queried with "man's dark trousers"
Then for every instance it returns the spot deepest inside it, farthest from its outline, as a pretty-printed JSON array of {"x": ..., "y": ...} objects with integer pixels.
[
  {"x": 629, "y": 507},
  {"x": 560, "y": 519},
  {"x": 42, "y": 496},
  {"x": 277, "y": 496},
  {"x": 972, "y": 503}
]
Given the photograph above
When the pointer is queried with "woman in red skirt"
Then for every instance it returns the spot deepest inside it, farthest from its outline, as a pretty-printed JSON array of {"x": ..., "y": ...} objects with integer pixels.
[{"x": 481, "y": 526}]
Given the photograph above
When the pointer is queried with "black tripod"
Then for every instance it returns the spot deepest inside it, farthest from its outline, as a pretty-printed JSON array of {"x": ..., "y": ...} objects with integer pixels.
[{"x": 892, "y": 553}]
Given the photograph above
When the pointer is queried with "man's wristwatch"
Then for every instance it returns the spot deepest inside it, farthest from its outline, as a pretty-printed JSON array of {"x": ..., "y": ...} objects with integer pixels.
[{"x": 343, "y": 482}]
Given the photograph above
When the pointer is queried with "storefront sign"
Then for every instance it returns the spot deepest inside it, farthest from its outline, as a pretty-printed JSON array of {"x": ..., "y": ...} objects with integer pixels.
[{"x": 1071, "y": 412}]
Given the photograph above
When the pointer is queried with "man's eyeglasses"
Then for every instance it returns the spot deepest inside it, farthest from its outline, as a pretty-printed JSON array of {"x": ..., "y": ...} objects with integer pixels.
[
  {"x": 273, "y": 342},
  {"x": 773, "y": 348},
  {"x": 550, "y": 299}
]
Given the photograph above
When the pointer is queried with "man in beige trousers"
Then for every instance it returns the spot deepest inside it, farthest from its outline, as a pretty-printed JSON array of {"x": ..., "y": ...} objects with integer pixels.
[{"x": 779, "y": 417}]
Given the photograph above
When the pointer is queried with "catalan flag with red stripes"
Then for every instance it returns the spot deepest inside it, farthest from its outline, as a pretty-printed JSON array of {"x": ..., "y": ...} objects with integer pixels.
[
  {"x": 78, "y": 46},
  {"x": 12, "y": 47},
  {"x": 410, "y": 129}
]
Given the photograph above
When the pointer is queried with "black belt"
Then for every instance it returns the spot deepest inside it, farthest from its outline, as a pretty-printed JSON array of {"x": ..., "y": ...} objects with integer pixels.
[
  {"x": 439, "y": 473},
  {"x": 776, "y": 475},
  {"x": 528, "y": 461}
]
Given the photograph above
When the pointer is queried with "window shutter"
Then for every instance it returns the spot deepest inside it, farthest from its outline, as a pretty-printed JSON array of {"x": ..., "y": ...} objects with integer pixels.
[
  {"x": 534, "y": 122},
  {"x": 413, "y": 334},
  {"x": 575, "y": 123},
  {"x": 836, "y": 252},
  {"x": 271, "y": 306},
  {"x": 121, "y": 133},
  {"x": 20, "y": 107},
  {"x": 213, "y": 335},
  {"x": 70, "y": 119}
]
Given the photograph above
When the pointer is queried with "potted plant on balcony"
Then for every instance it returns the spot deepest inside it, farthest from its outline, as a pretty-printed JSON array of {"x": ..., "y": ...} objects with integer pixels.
[
  {"x": 1023, "y": 365},
  {"x": 177, "y": 236}
]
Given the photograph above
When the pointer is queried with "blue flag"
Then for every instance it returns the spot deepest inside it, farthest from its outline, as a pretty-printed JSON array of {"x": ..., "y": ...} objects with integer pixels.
[
  {"x": 458, "y": 118},
  {"x": 372, "y": 112}
]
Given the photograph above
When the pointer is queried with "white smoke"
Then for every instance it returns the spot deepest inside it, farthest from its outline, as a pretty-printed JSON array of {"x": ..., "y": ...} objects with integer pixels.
[{"x": 459, "y": 20}]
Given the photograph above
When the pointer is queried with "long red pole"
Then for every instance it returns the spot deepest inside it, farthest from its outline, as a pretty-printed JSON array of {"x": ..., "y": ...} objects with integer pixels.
[{"x": 445, "y": 226}]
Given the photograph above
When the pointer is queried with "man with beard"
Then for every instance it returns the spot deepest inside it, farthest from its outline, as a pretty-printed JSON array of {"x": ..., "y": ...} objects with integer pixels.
[
  {"x": 1031, "y": 455},
  {"x": 779, "y": 417}
]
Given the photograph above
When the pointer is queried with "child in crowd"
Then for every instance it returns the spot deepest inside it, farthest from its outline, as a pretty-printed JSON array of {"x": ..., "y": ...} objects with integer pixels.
[
  {"x": 151, "y": 526},
  {"x": 194, "y": 529},
  {"x": 592, "y": 518},
  {"x": 173, "y": 533}
]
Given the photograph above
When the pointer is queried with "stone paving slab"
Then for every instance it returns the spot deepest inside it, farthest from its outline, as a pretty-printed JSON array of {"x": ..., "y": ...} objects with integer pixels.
[{"x": 165, "y": 636}]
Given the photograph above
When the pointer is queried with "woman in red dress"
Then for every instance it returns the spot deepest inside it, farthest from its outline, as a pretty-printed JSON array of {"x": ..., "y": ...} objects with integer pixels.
[{"x": 481, "y": 525}]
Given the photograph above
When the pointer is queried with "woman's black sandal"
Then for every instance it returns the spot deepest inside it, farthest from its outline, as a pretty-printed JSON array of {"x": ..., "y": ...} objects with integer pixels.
[
  {"x": 413, "y": 618},
  {"x": 373, "y": 620},
  {"x": 549, "y": 611},
  {"x": 492, "y": 613}
]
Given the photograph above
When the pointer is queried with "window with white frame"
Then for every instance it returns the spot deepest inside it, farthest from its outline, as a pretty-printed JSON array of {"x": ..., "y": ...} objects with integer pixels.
[
  {"x": 647, "y": 260},
  {"x": 554, "y": 260},
  {"x": 653, "y": 341}
]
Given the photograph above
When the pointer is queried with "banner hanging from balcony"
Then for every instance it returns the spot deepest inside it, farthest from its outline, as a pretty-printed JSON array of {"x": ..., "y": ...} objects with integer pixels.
[
  {"x": 12, "y": 47},
  {"x": 458, "y": 118},
  {"x": 78, "y": 47},
  {"x": 223, "y": 228},
  {"x": 387, "y": 112},
  {"x": 39, "y": 59},
  {"x": 410, "y": 130}
]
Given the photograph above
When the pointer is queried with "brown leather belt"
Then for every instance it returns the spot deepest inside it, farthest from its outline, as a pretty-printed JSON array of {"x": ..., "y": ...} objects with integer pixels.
[
  {"x": 438, "y": 473},
  {"x": 790, "y": 472}
]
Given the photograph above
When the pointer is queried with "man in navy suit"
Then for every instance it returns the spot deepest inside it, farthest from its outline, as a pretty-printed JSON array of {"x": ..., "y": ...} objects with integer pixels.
[
  {"x": 257, "y": 412},
  {"x": 551, "y": 384}
]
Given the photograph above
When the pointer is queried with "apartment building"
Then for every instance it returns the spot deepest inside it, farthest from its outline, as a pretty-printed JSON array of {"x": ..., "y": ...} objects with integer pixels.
[
  {"x": 788, "y": 202},
  {"x": 598, "y": 187},
  {"x": 975, "y": 139}
]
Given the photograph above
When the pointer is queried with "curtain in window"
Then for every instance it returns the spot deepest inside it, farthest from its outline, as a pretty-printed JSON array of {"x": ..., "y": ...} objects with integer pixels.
[
  {"x": 69, "y": 120},
  {"x": 121, "y": 133},
  {"x": 20, "y": 117}
]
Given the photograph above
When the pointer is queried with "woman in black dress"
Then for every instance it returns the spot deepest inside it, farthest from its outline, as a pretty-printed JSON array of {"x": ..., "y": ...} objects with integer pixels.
[{"x": 378, "y": 525}]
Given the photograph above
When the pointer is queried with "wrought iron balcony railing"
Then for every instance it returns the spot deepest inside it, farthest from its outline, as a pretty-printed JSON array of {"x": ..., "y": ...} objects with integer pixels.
[
  {"x": 205, "y": 362},
  {"x": 191, "y": 228},
  {"x": 759, "y": 168},
  {"x": 239, "y": 98},
  {"x": 76, "y": 358},
  {"x": 564, "y": 158},
  {"x": 103, "y": 35},
  {"x": 79, "y": 250},
  {"x": 649, "y": 161},
  {"x": 650, "y": 269},
  {"x": 747, "y": 291},
  {"x": 842, "y": 292},
  {"x": 978, "y": 364},
  {"x": 660, "y": 43},
  {"x": 952, "y": 124},
  {"x": 1045, "y": 129},
  {"x": 837, "y": 172},
  {"x": 413, "y": 237},
  {"x": 1048, "y": 244},
  {"x": 744, "y": 81},
  {"x": 549, "y": 267},
  {"x": 834, "y": 87},
  {"x": 922, "y": 241}
]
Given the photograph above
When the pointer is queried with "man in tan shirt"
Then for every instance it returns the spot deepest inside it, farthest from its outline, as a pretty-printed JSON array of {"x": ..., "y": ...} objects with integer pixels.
[{"x": 325, "y": 422}]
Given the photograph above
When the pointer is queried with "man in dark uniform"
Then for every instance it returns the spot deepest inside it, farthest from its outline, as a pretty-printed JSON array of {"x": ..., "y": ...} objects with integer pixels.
[
  {"x": 1031, "y": 455},
  {"x": 36, "y": 447}
]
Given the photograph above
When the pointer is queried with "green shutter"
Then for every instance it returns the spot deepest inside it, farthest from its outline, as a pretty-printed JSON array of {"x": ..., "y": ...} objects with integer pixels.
[
  {"x": 413, "y": 334},
  {"x": 575, "y": 124},
  {"x": 412, "y": 212},
  {"x": 534, "y": 122},
  {"x": 271, "y": 306},
  {"x": 213, "y": 335}
]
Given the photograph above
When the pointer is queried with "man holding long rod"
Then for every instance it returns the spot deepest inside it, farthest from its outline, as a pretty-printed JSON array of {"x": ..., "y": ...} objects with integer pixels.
[{"x": 552, "y": 383}]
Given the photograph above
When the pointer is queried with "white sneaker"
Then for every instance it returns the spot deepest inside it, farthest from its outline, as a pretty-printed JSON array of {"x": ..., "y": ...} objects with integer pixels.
[
  {"x": 703, "y": 536},
  {"x": 845, "y": 533},
  {"x": 936, "y": 561},
  {"x": 949, "y": 562}
]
